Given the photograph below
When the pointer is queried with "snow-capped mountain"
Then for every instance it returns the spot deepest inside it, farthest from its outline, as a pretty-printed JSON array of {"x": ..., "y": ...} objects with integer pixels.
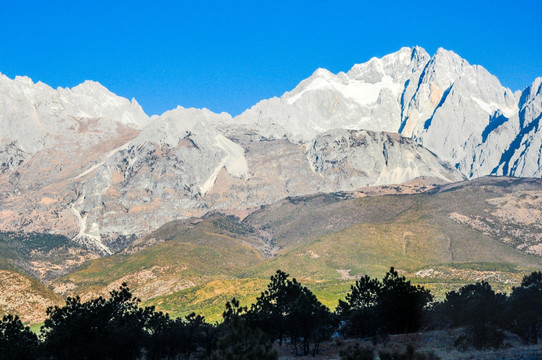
[
  {"x": 443, "y": 102},
  {"x": 92, "y": 165},
  {"x": 369, "y": 97}
]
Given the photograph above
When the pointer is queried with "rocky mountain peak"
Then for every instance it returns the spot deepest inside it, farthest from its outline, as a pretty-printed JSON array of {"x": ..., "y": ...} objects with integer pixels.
[
  {"x": 396, "y": 65},
  {"x": 91, "y": 87},
  {"x": 106, "y": 171},
  {"x": 531, "y": 92}
]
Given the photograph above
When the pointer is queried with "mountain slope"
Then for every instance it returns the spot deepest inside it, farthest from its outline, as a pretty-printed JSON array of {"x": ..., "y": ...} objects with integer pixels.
[
  {"x": 458, "y": 111},
  {"x": 182, "y": 254},
  {"x": 44, "y": 257},
  {"x": 92, "y": 166},
  {"x": 522, "y": 157},
  {"x": 24, "y": 296},
  {"x": 48, "y": 139},
  {"x": 141, "y": 173},
  {"x": 366, "y": 97},
  {"x": 447, "y": 236}
]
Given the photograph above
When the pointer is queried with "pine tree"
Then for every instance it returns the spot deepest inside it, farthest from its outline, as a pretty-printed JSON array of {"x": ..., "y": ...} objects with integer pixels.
[
  {"x": 16, "y": 340},
  {"x": 240, "y": 342}
]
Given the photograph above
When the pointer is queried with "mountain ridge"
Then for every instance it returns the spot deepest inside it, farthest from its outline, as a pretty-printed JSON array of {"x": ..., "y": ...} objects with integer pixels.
[{"x": 93, "y": 166}]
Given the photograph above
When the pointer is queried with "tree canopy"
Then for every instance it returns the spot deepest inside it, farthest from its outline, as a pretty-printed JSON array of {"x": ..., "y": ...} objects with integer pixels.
[{"x": 117, "y": 327}]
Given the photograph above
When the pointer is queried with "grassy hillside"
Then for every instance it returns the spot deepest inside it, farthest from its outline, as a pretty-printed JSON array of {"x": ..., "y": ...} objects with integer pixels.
[
  {"x": 451, "y": 236},
  {"x": 42, "y": 256},
  {"x": 183, "y": 254},
  {"x": 24, "y": 296}
]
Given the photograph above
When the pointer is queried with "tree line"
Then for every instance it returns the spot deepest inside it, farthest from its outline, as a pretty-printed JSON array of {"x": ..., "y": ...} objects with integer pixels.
[{"x": 286, "y": 312}]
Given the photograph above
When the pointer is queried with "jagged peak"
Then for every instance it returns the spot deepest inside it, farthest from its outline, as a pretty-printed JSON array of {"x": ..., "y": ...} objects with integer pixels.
[
  {"x": 419, "y": 53},
  {"x": 536, "y": 86},
  {"x": 24, "y": 80},
  {"x": 416, "y": 49},
  {"x": 169, "y": 127},
  {"x": 320, "y": 78},
  {"x": 43, "y": 85},
  {"x": 322, "y": 73},
  {"x": 183, "y": 119},
  {"x": 25, "y": 85},
  {"x": 448, "y": 56},
  {"x": 403, "y": 57},
  {"x": 530, "y": 92},
  {"x": 91, "y": 86},
  {"x": 18, "y": 79}
]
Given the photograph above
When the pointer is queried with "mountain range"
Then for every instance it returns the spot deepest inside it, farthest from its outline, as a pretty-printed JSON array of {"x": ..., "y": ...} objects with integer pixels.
[
  {"x": 441, "y": 236},
  {"x": 92, "y": 166},
  {"x": 418, "y": 161}
]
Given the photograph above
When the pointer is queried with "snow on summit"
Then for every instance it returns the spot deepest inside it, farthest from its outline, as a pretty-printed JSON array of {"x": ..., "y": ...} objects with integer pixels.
[{"x": 86, "y": 161}]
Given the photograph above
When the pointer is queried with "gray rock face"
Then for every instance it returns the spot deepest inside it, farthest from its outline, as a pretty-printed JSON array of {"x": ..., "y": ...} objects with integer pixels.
[
  {"x": 458, "y": 111},
  {"x": 369, "y": 96},
  {"x": 452, "y": 110},
  {"x": 91, "y": 165},
  {"x": 523, "y": 156},
  {"x": 49, "y": 140},
  {"x": 354, "y": 159},
  {"x": 11, "y": 156},
  {"x": 160, "y": 175},
  {"x": 36, "y": 117},
  {"x": 191, "y": 169}
]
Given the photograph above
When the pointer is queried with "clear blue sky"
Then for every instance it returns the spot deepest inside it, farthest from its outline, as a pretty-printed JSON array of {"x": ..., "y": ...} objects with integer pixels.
[{"x": 228, "y": 55}]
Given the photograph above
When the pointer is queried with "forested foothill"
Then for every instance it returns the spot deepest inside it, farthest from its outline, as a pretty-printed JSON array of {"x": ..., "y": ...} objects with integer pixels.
[{"x": 287, "y": 315}]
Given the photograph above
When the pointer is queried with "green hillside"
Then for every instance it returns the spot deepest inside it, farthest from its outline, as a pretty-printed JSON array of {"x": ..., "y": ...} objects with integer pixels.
[
  {"x": 183, "y": 254},
  {"x": 43, "y": 256},
  {"x": 442, "y": 239},
  {"x": 24, "y": 296}
]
